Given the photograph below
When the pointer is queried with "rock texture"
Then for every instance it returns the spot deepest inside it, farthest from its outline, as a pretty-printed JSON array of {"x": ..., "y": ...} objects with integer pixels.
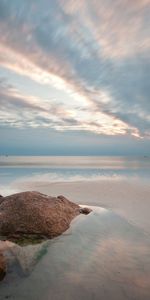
[{"x": 36, "y": 213}]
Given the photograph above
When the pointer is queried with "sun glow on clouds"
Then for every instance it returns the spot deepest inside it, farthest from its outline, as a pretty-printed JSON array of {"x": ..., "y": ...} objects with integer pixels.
[
  {"x": 21, "y": 65},
  {"x": 92, "y": 57},
  {"x": 25, "y": 110},
  {"x": 47, "y": 112}
]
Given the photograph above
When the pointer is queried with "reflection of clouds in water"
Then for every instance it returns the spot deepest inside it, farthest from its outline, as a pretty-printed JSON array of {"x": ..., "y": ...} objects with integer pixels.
[
  {"x": 18, "y": 174},
  {"x": 101, "y": 255},
  {"x": 59, "y": 177},
  {"x": 40, "y": 180},
  {"x": 112, "y": 257},
  {"x": 22, "y": 183},
  {"x": 143, "y": 281},
  {"x": 127, "y": 256}
]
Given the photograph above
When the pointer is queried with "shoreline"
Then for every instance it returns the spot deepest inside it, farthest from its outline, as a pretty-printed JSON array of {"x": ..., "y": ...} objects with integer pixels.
[{"x": 129, "y": 198}]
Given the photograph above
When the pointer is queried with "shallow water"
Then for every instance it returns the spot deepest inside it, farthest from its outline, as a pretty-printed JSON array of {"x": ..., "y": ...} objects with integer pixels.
[
  {"x": 18, "y": 173},
  {"x": 101, "y": 256}
]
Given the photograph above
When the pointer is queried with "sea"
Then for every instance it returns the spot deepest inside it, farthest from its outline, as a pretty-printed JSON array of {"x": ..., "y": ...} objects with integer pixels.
[
  {"x": 17, "y": 170},
  {"x": 101, "y": 256}
]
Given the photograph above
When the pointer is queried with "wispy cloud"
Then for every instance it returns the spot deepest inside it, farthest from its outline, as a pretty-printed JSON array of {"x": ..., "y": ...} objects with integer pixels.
[
  {"x": 22, "y": 110},
  {"x": 96, "y": 52}
]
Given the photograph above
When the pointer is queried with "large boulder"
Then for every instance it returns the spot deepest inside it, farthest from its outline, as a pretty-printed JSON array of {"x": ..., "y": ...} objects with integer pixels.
[{"x": 36, "y": 213}]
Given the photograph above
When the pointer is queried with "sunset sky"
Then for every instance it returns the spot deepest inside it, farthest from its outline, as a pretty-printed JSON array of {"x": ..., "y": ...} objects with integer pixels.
[{"x": 75, "y": 77}]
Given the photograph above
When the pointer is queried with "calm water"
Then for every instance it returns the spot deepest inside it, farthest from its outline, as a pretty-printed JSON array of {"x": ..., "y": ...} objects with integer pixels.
[
  {"x": 15, "y": 171},
  {"x": 101, "y": 256}
]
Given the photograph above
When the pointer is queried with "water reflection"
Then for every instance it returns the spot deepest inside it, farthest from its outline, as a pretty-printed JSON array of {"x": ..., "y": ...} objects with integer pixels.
[
  {"x": 106, "y": 162},
  {"x": 21, "y": 179},
  {"x": 21, "y": 173},
  {"x": 101, "y": 256}
]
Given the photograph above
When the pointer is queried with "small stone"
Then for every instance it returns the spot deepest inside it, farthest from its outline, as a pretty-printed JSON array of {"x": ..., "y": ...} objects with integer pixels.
[{"x": 85, "y": 210}]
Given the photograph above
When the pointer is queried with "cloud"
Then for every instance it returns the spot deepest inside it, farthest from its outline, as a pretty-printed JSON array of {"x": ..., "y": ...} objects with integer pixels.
[
  {"x": 22, "y": 110},
  {"x": 98, "y": 53}
]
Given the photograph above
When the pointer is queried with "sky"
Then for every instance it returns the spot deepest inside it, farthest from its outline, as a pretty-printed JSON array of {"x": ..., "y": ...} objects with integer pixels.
[{"x": 75, "y": 77}]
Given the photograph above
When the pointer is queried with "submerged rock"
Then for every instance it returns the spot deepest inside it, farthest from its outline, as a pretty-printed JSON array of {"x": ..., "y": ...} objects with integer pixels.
[
  {"x": 2, "y": 266},
  {"x": 22, "y": 260},
  {"x": 36, "y": 213}
]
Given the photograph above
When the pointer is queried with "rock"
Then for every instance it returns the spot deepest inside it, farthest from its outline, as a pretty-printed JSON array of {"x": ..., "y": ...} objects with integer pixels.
[
  {"x": 85, "y": 210},
  {"x": 36, "y": 213},
  {"x": 2, "y": 266}
]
